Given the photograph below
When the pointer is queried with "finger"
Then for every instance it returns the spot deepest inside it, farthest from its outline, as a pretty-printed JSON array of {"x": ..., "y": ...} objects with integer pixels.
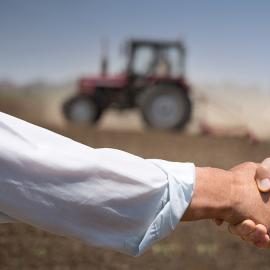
[
  {"x": 258, "y": 235},
  {"x": 263, "y": 177},
  {"x": 263, "y": 244},
  {"x": 266, "y": 163},
  {"x": 263, "y": 184},
  {"x": 242, "y": 229}
]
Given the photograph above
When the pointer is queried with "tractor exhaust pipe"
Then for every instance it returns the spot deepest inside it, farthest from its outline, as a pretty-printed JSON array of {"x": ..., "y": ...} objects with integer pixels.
[{"x": 104, "y": 65}]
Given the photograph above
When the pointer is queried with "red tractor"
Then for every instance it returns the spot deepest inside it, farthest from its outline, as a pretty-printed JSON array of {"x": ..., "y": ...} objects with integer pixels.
[{"x": 154, "y": 81}]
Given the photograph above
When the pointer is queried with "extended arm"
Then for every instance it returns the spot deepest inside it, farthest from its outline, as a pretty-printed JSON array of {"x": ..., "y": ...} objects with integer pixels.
[
  {"x": 105, "y": 197},
  {"x": 110, "y": 198}
]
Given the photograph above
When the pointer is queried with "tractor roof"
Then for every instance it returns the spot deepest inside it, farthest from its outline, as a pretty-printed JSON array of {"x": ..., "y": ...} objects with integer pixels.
[{"x": 156, "y": 43}]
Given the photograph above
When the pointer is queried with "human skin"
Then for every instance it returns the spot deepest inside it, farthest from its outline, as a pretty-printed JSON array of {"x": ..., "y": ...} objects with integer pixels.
[
  {"x": 248, "y": 230},
  {"x": 232, "y": 196}
]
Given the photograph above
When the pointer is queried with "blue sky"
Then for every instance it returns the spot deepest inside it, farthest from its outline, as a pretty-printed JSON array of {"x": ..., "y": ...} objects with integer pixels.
[{"x": 59, "y": 39}]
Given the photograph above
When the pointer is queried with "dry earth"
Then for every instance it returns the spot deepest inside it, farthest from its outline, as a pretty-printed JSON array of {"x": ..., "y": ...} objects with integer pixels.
[{"x": 192, "y": 246}]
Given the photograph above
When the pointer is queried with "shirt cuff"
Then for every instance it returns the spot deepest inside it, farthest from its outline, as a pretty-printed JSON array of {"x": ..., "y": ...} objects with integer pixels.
[{"x": 181, "y": 182}]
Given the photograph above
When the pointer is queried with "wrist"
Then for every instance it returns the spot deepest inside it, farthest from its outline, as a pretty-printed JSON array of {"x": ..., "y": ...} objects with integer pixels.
[{"x": 211, "y": 196}]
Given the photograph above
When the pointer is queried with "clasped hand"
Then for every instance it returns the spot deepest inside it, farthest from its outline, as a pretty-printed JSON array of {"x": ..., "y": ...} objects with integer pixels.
[{"x": 250, "y": 215}]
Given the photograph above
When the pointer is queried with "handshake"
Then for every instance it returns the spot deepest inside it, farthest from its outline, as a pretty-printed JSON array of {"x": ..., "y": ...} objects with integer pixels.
[{"x": 239, "y": 196}]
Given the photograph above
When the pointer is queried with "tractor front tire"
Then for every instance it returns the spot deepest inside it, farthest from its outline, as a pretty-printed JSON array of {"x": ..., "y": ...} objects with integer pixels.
[
  {"x": 165, "y": 107},
  {"x": 82, "y": 110}
]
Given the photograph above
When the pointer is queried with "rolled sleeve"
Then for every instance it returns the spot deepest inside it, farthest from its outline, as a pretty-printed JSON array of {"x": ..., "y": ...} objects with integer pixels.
[{"x": 177, "y": 197}]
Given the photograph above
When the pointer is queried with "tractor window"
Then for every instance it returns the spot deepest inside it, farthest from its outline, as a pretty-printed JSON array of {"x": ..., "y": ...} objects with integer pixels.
[
  {"x": 176, "y": 68},
  {"x": 143, "y": 60}
]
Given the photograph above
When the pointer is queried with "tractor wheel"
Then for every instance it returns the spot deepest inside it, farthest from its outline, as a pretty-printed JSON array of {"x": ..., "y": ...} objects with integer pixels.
[
  {"x": 165, "y": 107},
  {"x": 82, "y": 109}
]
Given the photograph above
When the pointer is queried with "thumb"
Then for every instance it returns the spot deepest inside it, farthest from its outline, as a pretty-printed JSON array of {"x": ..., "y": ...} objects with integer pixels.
[{"x": 263, "y": 176}]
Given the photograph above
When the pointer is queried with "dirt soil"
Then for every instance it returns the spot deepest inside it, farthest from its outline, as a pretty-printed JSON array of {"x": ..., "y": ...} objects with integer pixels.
[{"x": 198, "y": 245}]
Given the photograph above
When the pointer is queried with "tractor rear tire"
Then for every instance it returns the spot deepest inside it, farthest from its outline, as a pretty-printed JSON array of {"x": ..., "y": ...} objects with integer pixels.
[
  {"x": 82, "y": 110},
  {"x": 166, "y": 107}
]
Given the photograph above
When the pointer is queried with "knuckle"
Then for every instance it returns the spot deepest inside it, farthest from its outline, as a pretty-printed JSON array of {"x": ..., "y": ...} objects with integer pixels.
[{"x": 250, "y": 164}]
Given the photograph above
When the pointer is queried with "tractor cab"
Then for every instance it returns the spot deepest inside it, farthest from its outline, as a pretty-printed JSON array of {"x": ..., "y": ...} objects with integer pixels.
[{"x": 156, "y": 59}]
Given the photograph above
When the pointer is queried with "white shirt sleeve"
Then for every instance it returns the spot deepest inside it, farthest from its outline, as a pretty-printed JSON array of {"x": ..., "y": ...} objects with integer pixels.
[{"x": 104, "y": 197}]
